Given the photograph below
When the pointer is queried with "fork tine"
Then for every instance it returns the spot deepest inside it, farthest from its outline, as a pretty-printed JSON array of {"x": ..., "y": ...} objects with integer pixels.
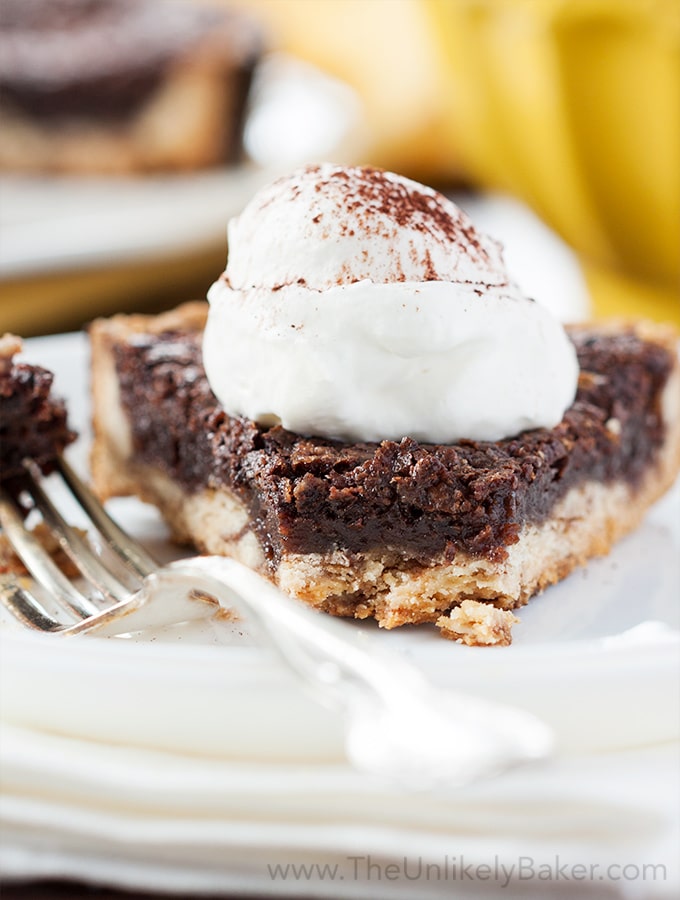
[
  {"x": 38, "y": 561},
  {"x": 71, "y": 542},
  {"x": 24, "y": 607},
  {"x": 129, "y": 550}
]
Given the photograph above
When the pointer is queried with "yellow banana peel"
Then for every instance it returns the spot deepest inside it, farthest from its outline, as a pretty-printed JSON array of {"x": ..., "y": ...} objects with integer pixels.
[{"x": 574, "y": 105}]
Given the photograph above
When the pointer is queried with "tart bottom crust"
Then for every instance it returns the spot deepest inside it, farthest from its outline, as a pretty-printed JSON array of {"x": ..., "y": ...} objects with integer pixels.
[{"x": 383, "y": 583}]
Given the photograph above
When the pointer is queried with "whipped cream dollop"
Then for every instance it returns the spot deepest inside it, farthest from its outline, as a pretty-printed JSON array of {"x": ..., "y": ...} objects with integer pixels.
[{"x": 360, "y": 305}]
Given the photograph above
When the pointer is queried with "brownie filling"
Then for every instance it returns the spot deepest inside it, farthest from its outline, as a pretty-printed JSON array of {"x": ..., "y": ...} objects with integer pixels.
[
  {"x": 32, "y": 423},
  {"x": 103, "y": 59},
  {"x": 425, "y": 501}
]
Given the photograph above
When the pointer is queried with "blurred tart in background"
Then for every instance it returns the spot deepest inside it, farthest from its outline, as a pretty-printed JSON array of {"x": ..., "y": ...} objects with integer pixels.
[{"x": 121, "y": 86}]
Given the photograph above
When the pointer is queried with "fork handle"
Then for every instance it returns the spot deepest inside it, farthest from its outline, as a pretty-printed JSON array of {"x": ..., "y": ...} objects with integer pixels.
[
  {"x": 396, "y": 718},
  {"x": 328, "y": 654}
]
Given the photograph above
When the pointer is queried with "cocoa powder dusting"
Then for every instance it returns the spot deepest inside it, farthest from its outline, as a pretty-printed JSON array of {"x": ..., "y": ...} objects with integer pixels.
[{"x": 369, "y": 192}]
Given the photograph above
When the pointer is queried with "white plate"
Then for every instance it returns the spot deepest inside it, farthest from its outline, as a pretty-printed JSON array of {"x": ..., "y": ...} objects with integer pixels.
[
  {"x": 189, "y": 760},
  {"x": 587, "y": 652}
]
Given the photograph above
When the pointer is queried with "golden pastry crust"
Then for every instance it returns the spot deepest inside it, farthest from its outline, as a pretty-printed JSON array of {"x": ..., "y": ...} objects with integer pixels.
[{"x": 111, "y": 441}]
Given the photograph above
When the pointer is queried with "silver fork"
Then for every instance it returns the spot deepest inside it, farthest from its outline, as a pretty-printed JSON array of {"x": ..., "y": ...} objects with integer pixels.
[{"x": 397, "y": 723}]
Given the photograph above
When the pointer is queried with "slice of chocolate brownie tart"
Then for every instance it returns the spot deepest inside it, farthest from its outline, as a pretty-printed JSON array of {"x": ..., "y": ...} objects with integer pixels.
[{"x": 399, "y": 530}]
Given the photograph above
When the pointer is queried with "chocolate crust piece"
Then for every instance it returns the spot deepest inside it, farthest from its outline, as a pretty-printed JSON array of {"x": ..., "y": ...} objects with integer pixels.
[
  {"x": 402, "y": 531},
  {"x": 32, "y": 422}
]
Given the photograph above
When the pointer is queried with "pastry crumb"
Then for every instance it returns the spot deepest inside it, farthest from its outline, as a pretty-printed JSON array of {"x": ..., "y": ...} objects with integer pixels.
[
  {"x": 225, "y": 614},
  {"x": 477, "y": 624},
  {"x": 10, "y": 346},
  {"x": 11, "y": 564}
]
